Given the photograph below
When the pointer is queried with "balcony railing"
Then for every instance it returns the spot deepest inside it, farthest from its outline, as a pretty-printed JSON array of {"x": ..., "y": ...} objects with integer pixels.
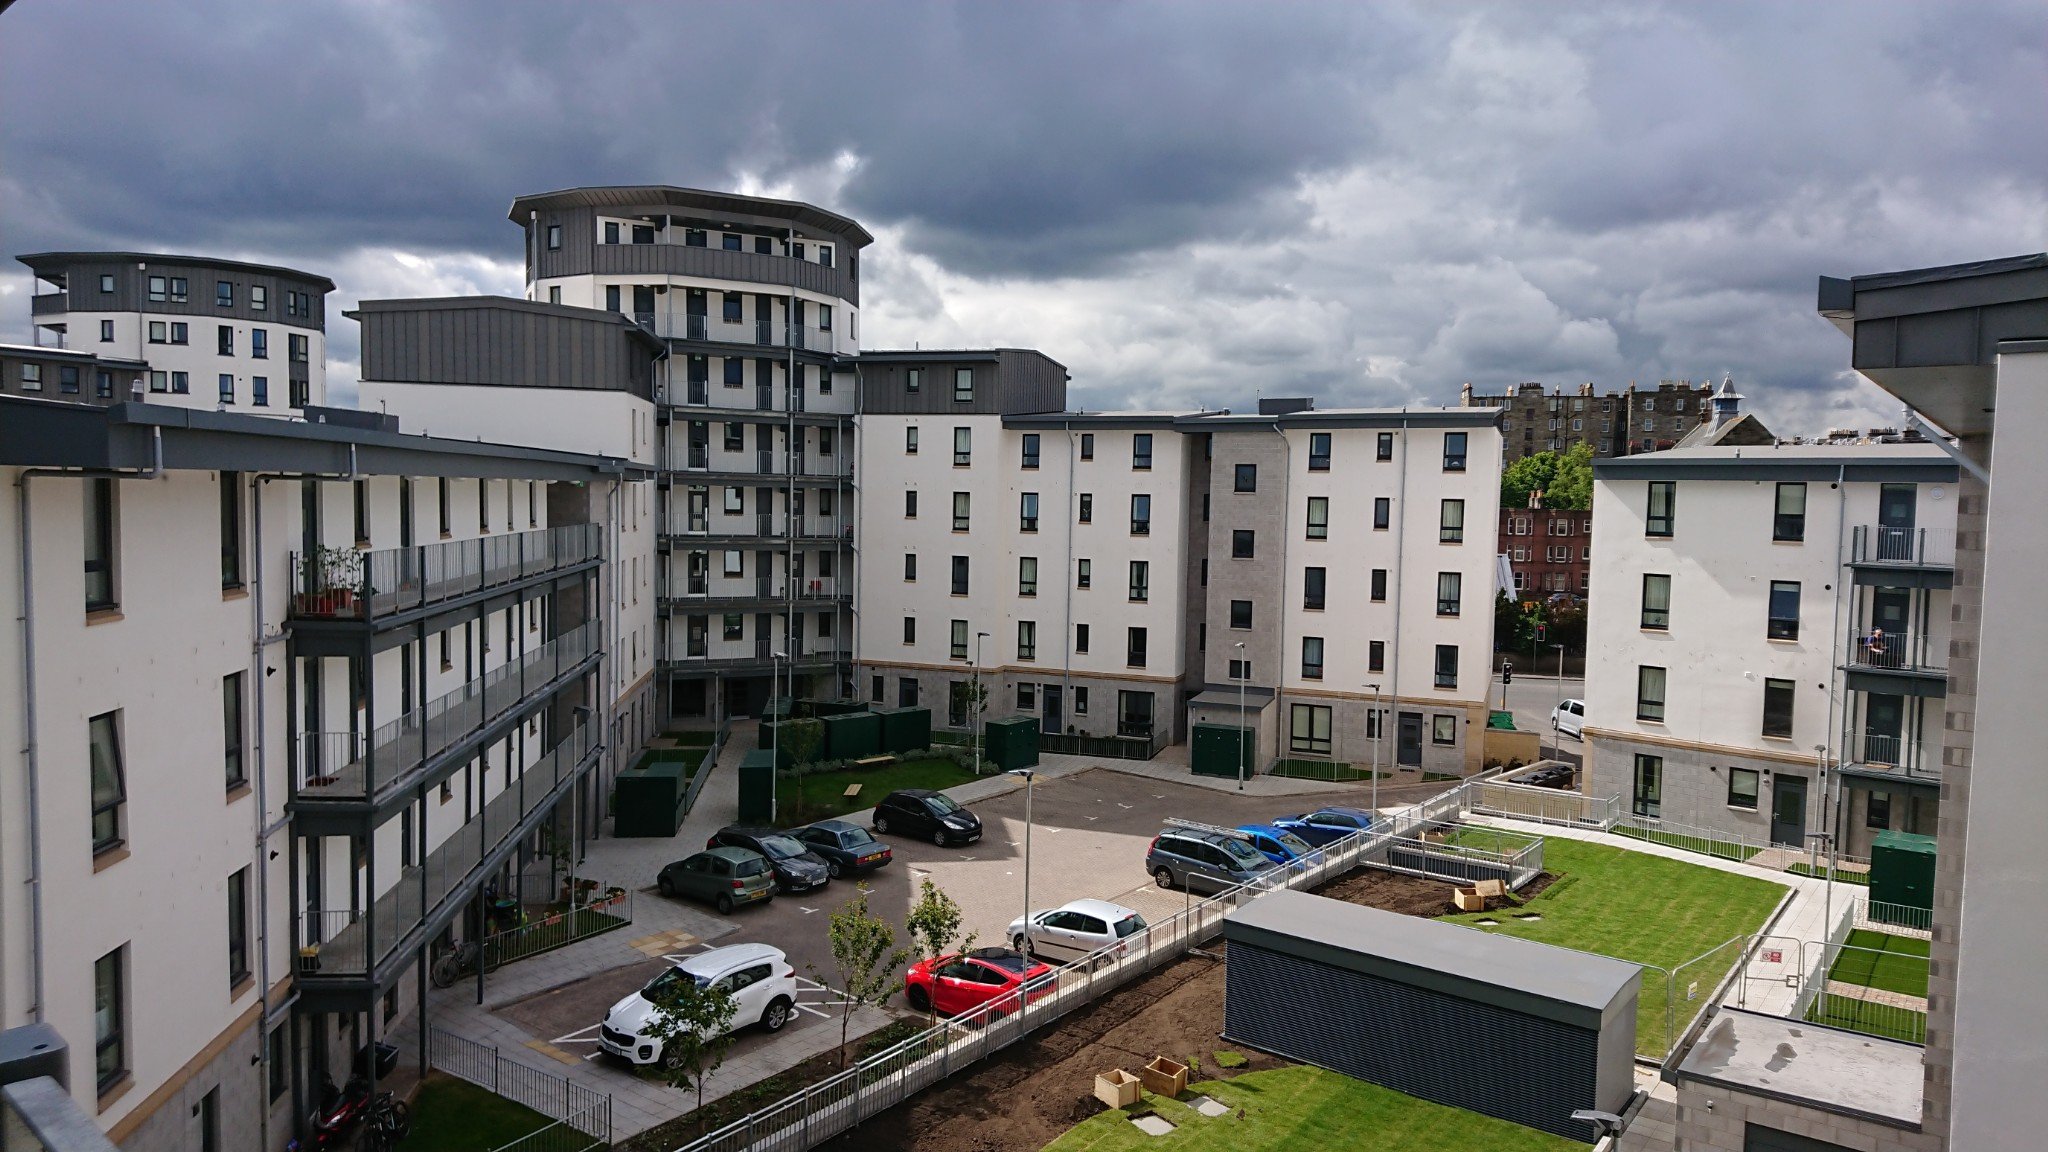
[
  {"x": 1906, "y": 547},
  {"x": 344, "y": 584},
  {"x": 351, "y": 942},
  {"x": 1898, "y": 652},
  {"x": 719, "y": 330},
  {"x": 1893, "y": 754},
  {"x": 359, "y": 765},
  {"x": 49, "y": 304}
]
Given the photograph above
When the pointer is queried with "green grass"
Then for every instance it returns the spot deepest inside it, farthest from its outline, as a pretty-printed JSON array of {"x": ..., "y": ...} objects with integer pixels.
[
  {"x": 819, "y": 797},
  {"x": 1881, "y": 960},
  {"x": 1644, "y": 909},
  {"x": 450, "y": 1115},
  {"x": 1871, "y": 1019},
  {"x": 1721, "y": 849},
  {"x": 1291, "y": 1108},
  {"x": 1323, "y": 770}
]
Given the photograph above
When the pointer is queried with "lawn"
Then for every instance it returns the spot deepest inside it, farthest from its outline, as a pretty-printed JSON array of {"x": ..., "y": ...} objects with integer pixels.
[
  {"x": 1881, "y": 960},
  {"x": 450, "y": 1115},
  {"x": 1645, "y": 909},
  {"x": 1291, "y": 1108},
  {"x": 819, "y": 797}
]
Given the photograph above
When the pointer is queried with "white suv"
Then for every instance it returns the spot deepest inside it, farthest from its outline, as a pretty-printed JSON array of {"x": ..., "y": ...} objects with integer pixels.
[
  {"x": 1569, "y": 717},
  {"x": 1075, "y": 929},
  {"x": 759, "y": 977}
]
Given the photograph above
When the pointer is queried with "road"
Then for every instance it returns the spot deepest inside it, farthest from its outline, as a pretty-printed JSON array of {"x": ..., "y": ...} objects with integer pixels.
[{"x": 1531, "y": 698}]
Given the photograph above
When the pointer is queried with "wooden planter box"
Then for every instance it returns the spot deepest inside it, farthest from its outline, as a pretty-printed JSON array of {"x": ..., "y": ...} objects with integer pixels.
[
  {"x": 1117, "y": 1088},
  {"x": 1469, "y": 900},
  {"x": 1164, "y": 1076}
]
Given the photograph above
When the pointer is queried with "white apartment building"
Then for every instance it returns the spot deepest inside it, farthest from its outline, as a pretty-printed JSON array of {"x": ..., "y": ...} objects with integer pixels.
[
  {"x": 214, "y": 334},
  {"x": 1772, "y": 638}
]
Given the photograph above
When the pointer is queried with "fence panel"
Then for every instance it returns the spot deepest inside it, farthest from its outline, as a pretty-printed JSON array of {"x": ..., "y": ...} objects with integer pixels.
[
  {"x": 1875, "y": 991},
  {"x": 574, "y": 1134},
  {"x": 584, "y": 1109}
]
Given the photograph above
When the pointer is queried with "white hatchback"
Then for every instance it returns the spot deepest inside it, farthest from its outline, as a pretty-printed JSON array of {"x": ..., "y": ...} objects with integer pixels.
[
  {"x": 759, "y": 978},
  {"x": 1073, "y": 930},
  {"x": 1569, "y": 717}
]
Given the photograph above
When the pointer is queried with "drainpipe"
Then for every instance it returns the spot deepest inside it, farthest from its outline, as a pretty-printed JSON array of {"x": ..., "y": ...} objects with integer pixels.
[
  {"x": 1287, "y": 506},
  {"x": 852, "y": 557},
  {"x": 1400, "y": 583},
  {"x": 1067, "y": 581},
  {"x": 1830, "y": 781},
  {"x": 793, "y": 387},
  {"x": 30, "y": 748}
]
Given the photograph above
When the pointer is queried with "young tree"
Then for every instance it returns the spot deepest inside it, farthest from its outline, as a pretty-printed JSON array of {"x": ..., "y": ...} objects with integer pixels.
[
  {"x": 934, "y": 925},
  {"x": 864, "y": 950},
  {"x": 693, "y": 1022},
  {"x": 801, "y": 740},
  {"x": 1509, "y": 625},
  {"x": 1531, "y": 473},
  {"x": 1571, "y": 482}
]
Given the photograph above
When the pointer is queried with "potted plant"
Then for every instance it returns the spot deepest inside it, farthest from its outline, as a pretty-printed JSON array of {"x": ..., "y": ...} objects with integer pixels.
[{"x": 341, "y": 572}]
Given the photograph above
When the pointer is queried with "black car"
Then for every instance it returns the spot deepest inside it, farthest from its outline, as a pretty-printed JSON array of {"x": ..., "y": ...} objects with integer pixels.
[
  {"x": 797, "y": 869},
  {"x": 928, "y": 815},
  {"x": 847, "y": 848}
]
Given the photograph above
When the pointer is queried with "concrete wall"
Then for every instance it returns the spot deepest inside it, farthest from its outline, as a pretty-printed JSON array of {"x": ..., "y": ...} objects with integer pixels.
[{"x": 1715, "y": 1119}]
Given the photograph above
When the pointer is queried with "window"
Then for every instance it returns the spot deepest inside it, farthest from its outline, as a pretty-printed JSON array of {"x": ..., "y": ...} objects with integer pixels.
[
  {"x": 1658, "y": 512},
  {"x": 906, "y": 692},
  {"x": 223, "y": 294},
  {"x": 100, "y": 556},
  {"x": 1778, "y": 708},
  {"x": 1308, "y": 729},
  {"x": 109, "y": 1019},
  {"x": 1205, "y": 571},
  {"x": 259, "y": 298},
  {"x": 1454, "y": 451},
  {"x": 1449, "y": 593},
  {"x": 1376, "y": 656},
  {"x": 259, "y": 391},
  {"x": 1790, "y": 521},
  {"x": 1877, "y": 812},
  {"x": 1784, "y": 621},
  {"x": 1027, "y": 576},
  {"x": 1443, "y": 729},
  {"x": 259, "y": 343},
  {"x": 1084, "y": 573},
  {"x": 1312, "y": 657},
  {"x": 962, "y": 506},
  {"x": 159, "y": 332},
  {"x": 106, "y": 283},
  {"x": 959, "y": 575},
  {"x": 1241, "y": 544},
  {"x": 1087, "y": 445},
  {"x": 103, "y": 384},
  {"x": 963, "y": 446},
  {"x": 1080, "y": 701},
  {"x": 735, "y": 563},
  {"x": 825, "y": 325},
  {"x": 1650, "y": 693},
  {"x": 913, "y": 380},
  {"x": 178, "y": 289},
  {"x": 1742, "y": 787},
  {"x": 1447, "y": 665},
  {"x": 156, "y": 289},
  {"x": 1319, "y": 517},
  {"x": 1314, "y": 581},
  {"x": 227, "y": 388},
  {"x": 554, "y": 237},
  {"x": 959, "y": 640},
  {"x": 1031, "y": 450},
  {"x": 1247, "y": 478},
  {"x": 1382, "y": 512},
  {"x": 1656, "y": 601},
  {"x": 910, "y": 629},
  {"x": 232, "y": 730},
  {"x": 1379, "y": 584},
  {"x": 1141, "y": 452},
  {"x": 1240, "y": 614},
  {"x": 1027, "y": 512},
  {"x": 1141, "y": 580},
  {"x": 106, "y": 331},
  {"x": 1649, "y": 785},
  {"x": 67, "y": 379},
  {"x": 447, "y": 509},
  {"x": 1027, "y": 639},
  {"x": 31, "y": 377},
  {"x": 238, "y": 927},
  {"x": 963, "y": 385},
  {"x": 1384, "y": 448},
  {"x": 910, "y": 504},
  {"x": 910, "y": 440},
  {"x": 1319, "y": 451},
  {"x": 825, "y": 255},
  {"x": 109, "y": 783},
  {"x": 1141, "y": 515},
  {"x": 1239, "y": 670},
  {"x": 1134, "y": 647},
  {"x": 1450, "y": 523},
  {"x": 1087, "y": 509},
  {"x": 1080, "y": 638},
  {"x": 1027, "y": 697}
]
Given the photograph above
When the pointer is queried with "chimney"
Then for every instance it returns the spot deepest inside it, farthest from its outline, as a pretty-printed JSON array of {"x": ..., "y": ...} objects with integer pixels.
[
  {"x": 1535, "y": 498},
  {"x": 1465, "y": 395}
]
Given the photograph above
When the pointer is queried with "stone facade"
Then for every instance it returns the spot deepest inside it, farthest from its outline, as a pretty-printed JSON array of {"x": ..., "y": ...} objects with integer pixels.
[
  {"x": 1612, "y": 423},
  {"x": 1549, "y": 549},
  {"x": 1717, "y": 1119}
]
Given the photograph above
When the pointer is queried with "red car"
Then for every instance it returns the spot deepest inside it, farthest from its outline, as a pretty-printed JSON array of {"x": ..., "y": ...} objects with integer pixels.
[{"x": 959, "y": 984}]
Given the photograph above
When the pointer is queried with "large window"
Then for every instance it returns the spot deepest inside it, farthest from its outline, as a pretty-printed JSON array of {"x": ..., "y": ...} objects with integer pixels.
[
  {"x": 1314, "y": 582},
  {"x": 1450, "y": 523},
  {"x": 1784, "y": 621},
  {"x": 1134, "y": 647},
  {"x": 1030, "y": 450},
  {"x": 1454, "y": 451},
  {"x": 963, "y": 446},
  {"x": 99, "y": 545},
  {"x": 1742, "y": 787},
  {"x": 1141, "y": 515},
  {"x": 1308, "y": 729},
  {"x": 963, "y": 508},
  {"x": 1319, "y": 517},
  {"x": 109, "y": 784},
  {"x": 1141, "y": 451},
  {"x": 231, "y": 530},
  {"x": 1656, "y": 601},
  {"x": 1141, "y": 580},
  {"x": 959, "y": 638},
  {"x": 1241, "y": 614},
  {"x": 1790, "y": 521},
  {"x": 1027, "y": 639},
  {"x": 959, "y": 575},
  {"x": 1447, "y": 665},
  {"x": 1134, "y": 714},
  {"x": 1450, "y": 593},
  {"x": 1245, "y": 478},
  {"x": 1649, "y": 785},
  {"x": 238, "y": 927},
  {"x": 1241, "y": 540},
  {"x": 1649, "y": 693},
  {"x": 1312, "y": 657},
  {"x": 232, "y": 729},
  {"x": 1027, "y": 575},
  {"x": 1778, "y": 708},
  {"x": 1027, "y": 512},
  {"x": 1659, "y": 512},
  {"x": 1319, "y": 451},
  {"x": 110, "y": 1018}
]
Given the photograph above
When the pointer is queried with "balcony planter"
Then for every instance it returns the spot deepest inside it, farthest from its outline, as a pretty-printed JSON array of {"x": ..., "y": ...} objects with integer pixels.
[{"x": 309, "y": 959}]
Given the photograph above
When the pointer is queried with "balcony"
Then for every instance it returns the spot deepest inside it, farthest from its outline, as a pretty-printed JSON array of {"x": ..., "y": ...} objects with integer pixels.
[
  {"x": 820, "y": 657},
  {"x": 345, "y": 584},
  {"x": 341, "y": 766},
  {"x": 1877, "y": 545},
  {"x": 747, "y": 333},
  {"x": 49, "y": 304},
  {"x": 1890, "y": 756},
  {"x": 353, "y": 942},
  {"x": 771, "y": 465},
  {"x": 1901, "y": 663},
  {"x": 811, "y": 595}
]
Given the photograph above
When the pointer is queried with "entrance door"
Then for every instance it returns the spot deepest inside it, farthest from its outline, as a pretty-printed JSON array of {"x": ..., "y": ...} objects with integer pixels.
[
  {"x": 1788, "y": 811},
  {"x": 1895, "y": 523},
  {"x": 1408, "y": 749},
  {"x": 1053, "y": 719}
]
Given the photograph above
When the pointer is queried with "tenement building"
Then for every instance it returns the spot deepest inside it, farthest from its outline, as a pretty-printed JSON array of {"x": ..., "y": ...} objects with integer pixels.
[
  {"x": 1611, "y": 424},
  {"x": 1549, "y": 550}
]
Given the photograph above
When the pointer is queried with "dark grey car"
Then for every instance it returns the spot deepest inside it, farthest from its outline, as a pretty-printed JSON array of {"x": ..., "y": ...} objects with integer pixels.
[{"x": 1203, "y": 861}]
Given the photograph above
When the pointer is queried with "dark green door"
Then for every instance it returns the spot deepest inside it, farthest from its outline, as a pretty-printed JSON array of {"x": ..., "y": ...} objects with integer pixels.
[{"x": 1788, "y": 811}]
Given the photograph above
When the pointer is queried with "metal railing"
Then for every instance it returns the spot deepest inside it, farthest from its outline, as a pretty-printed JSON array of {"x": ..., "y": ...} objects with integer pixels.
[
  {"x": 1898, "y": 652},
  {"x": 358, "y": 765},
  {"x": 344, "y": 584},
  {"x": 1882, "y": 544},
  {"x": 1541, "y": 805},
  {"x": 560, "y": 929},
  {"x": 1896, "y": 919},
  {"x": 704, "y": 767},
  {"x": 1878, "y": 992},
  {"x": 586, "y": 1110},
  {"x": 1109, "y": 747},
  {"x": 575, "y": 1134}
]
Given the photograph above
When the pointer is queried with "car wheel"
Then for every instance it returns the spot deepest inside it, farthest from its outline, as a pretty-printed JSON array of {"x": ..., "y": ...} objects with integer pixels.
[
  {"x": 671, "y": 1060},
  {"x": 1164, "y": 878},
  {"x": 777, "y": 1014},
  {"x": 724, "y": 904},
  {"x": 918, "y": 999},
  {"x": 1020, "y": 945},
  {"x": 939, "y": 837},
  {"x": 881, "y": 823},
  {"x": 667, "y": 886},
  {"x": 833, "y": 869}
]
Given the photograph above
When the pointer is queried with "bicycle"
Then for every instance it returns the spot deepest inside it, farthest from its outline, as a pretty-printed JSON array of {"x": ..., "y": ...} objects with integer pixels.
[
  {"x": 386, "y": 1121},
  {"x": 453, "y": 963}
]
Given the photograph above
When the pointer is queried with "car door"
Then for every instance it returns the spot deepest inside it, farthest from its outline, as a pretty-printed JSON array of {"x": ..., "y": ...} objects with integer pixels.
[
  {"x": 717, "y": 877},
  {"x": 693, "y": 881},
  {"x": 906, "y": 814},
  {"x": 750, "y": 994},
  {"x": 955, "y": 988},
  {"x": 1088, "y": 933}
]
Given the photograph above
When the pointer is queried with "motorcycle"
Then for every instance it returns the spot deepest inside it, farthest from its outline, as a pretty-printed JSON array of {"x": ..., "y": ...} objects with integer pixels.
[{"x": 386, "y": 1120}]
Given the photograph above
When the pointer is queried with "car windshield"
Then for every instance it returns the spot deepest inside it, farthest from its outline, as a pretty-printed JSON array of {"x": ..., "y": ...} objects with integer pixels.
[
  {"x": 781, "y": 847},
  {"x": 1293, "y": 843},
  {"x": 1130, "y": 925},
  {"x": 941, "y": 805},
  {"x": 752, "y": 867},
  {"x": 1007, "y": 960},
  {"x": 667, "y": 982},
  {"x": 1241, "y": 851}
]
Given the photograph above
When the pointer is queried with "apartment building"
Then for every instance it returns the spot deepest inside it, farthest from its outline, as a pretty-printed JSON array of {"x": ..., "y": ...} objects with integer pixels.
[
  {"x": 61, "y": 374},
  {"x": 214, "y": 333},
  {"x": 757, "y": 304},
  {"x": 1549, "y": 550},
  {"x": 1612, "y": 424}
]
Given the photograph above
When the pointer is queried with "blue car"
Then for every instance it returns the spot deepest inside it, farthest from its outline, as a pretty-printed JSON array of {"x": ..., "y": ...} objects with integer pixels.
[
  {"x": 1323, "y": 825},
  {"x": 1278, "y": 845}
]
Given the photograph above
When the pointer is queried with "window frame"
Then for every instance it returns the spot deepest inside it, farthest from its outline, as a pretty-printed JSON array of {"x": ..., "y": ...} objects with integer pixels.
[
  {"x": 1453, "y": 603},
  {"x": 1243, "y": 544},
  {"x": 1311, "y": 729},
  {"x": 1084, "y": 572},
  {"x": 910, "y": 440},
  {"x": 109, "y": 774},
  {"x": 1777, "y": 626},
  {"x": 1455, "y": 457},
  {"x": 1382, "y": 513},
  {"x": 1241, "y": 610},
  {"x": 1027, "y": 512},
  {"x": 1654, "y": 618},
  {"x": 234, "y": 729},
  {"x": 1318, "y": 526},
  {"x": 1136, "y": 647},
  {"x": 1660, "y": 524},
  {"x": 963, "y": 385},
  {"x": 102, "y": 546},
  {"x": 1027, "y": 639},
  {"x": 1788, "y": 527},
  {"x": 1448, "y": 532},
  {"x": 1446, "y": 670},
  {"x": 963, "y": 446},
  {"x": 1244, "y": 478},
  {"x": 238, "y": 927},
  {"x": 1029, "y": 451},
  {"x": 1383, "y": 447},
  {"x": 1780, "y": 702},
  {"x": 1652, "y": 709},
  {"x": 110, "y": 1005},
  {"x": 1141, "y": 451},
  {"x": 957, "y": 636},
  {"x": 1443, "y": 729},
  {"x": 1755, "y": 788},
  {"x": 1141, "y": 525},
  {"x": 1312, "y": 646},
  {"x": 1315, "y": 589},
  {"x": 963, "y": 511},
  {"x": 1319, "y": 451},
  {"x": 1648, "y": 801}
]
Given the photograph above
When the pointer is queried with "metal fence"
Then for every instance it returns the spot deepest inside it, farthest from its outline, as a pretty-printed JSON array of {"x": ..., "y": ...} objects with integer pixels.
[
  {"x": 585, "y": 1109},
  {"x": 1899, "y": 919},
  {"x": 559, "y": 929},
  {"x": 1475, "y": 854},
  {"x": 574, "y": 1134},
  {"x": 1541, "y": 805},
  {"x": 1108, "y": 747},
  {"x": 704, "y": 768},
  {"x": 1875, "y": 991}
]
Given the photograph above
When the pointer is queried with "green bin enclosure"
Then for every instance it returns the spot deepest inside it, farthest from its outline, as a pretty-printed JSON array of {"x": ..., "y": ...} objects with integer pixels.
[
  {"x": 1902, "y": 878},
  {"x": 1011, "y": 742},
  {"x": 852, "y": 735},
  {"x": 823, "y": 708},
  {"x": 905, "y": 729},
  {"x": 1219, "y": 750},
  {"x": 757, "y": 788},
  {"x": 648, "y": 800},
  {"x": 1504, "y": 721}
]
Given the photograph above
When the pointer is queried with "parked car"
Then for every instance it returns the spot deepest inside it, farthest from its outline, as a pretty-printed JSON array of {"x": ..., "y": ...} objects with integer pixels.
[
  {"x": 926, "y": 815},
  {"x": 796, "y": 868},
  {"x": 1075, "y": 929},
  {"x": 1569, "y": 717},
  {"x": 1210, "y": 860},
  {"x": 1553, "y": 776},
  {"x": 1323, "y": 825},
  {"x": 727, "y": 877},
  {"x": 985, "y": 976},
  {"x": 847, "y": 848},
  {"x": 762, "y": 984},
  {"x": 1277, "y": 844}
]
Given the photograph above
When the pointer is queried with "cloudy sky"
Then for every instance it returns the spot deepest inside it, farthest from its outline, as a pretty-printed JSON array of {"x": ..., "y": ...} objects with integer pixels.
[{"x": 1185, "y": 203}]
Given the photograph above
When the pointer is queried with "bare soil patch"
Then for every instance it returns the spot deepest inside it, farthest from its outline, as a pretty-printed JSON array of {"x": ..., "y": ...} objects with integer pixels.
[{"x": 1411, "y": 895}]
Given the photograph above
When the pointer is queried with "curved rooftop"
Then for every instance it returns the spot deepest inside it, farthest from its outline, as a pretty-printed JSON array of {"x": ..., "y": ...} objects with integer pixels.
[
  {"x": 52, "y": 265},
  {"x": 630, "y": 197}
]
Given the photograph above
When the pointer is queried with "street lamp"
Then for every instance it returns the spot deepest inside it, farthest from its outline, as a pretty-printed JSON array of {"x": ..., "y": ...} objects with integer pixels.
[
  {"x": 775, "y": 660},
  {"x": 974, "y": 705},
  {"x": 1243, "y": 674},
  {"x": 1378, "y": 730},
  {"x": 1030, "y": 777},
  {"x": 1556, "y": 733}
]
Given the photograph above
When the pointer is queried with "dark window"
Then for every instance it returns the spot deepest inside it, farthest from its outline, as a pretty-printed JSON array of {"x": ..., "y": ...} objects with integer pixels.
[
  {"x": 447, "y": 511},
  {"x": 1087, "y": 509},
  {"x": 1141, "y": 515},
  {"x": 181, "y": 332},
  {"x": 1080, "y": 701},
  {"x": 223, "y": 294},
  {"x": 1658, "y": 514},
  {"x": 1382, "y": 511},
  {"x": 360, "y": 490},
  {"x": 910, "y": 440},
  {"x": 1080, "y": 638},
  {"x": 1247, "y": 478},
  {"x": 103, "y": 384},
  {"x": 1141, "y": 451},
  {"x": 1087, "y": 445},
  {"x": 67, "y": 379},
  {"x": 1319, "y": 517},
  {"x": 227, "y": 388},
  {"x": 231, "y": 529},
  {"x": 1742, "y": 787},
  {"x": 1790, "y": 521},
  {"x": 611, "y": 231},
  {"x": 238, "y": 927},
  {"x": 913, "y": 380},
  {"x": 554, "y": 237},
  {"x": 1027, "y": 639},
  {"x": 1239, "y": 670},
  {"x": 1379, "y": 584},
  {"x": 178, "y": 289},
  {"x": 1313, "y": 582},
  {"x": 1454, "y": 451},
  {"x": 959, "y": 575},
  {"x": 910, "y": 566},
  {"x": 1656, "y": 601},
  {"x": 1450, "y": 525},
  {"x": 1241, "y": 544},
  {"x": 259, "y": 391},
  {"x": 1319, "y": 451},
  {"x": 910, "y": 504},
  {"x": 1240, "y": 614},
  {"x": 106, "y": 331},
  {"x": 1027, "y": 576},
  {"x": 1784, "y": 621},
  {"x": 1031, "y": 450},
  {"x": 1449, "y": 593},
  {"x": 963, "y": 385},
  {"x": 963, "y": 505},
  {"x": 1447, "y": 665},
  {"x": 1312, "y": 657},
  {"x": 232, "y": 730},
  {"x": 1134, "y": 713},
  {"x": 910, "y": 629},
  {"x": 109, "y": 1019},
  {"x": 1084, "y": 573},
  {"x": 259, "y": 344},
  {"x": 1778, "y": 708},
  {"x": 106, "y": 283},
  {"x": 963, "y": 445},
  {"x": 1376, "y": 656},
  {"x": 280, "y": 1062},
  {"x": 1141, "y": 580},
  {"x": 692, "y": 237},
  {"x": 906, "y": 692},
  {"x": 1134, "y": 647},
  {"x": 109, "y": 781},
  {"x": 959, "y": 640},
  {"x": 1027, "y": 512},
  {"x": 99, "y": 545},
  {"x": 1649, "y": 785},
  {"x": 1384, "y": 448},
  {"x": 1877, "y": 812},
  {"x": 1649, "y": 693}
]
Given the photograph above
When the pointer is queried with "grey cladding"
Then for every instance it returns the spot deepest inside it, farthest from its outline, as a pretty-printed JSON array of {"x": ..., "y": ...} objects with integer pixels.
[
  {"x": 1007, "y": 381},
  {"x": 503, "y": 342},
  {"x": 79, "y": 274}
]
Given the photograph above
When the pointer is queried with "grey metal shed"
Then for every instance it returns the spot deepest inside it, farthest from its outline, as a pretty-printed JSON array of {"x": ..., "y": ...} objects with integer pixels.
[{"x": 1523, "y": 1031}]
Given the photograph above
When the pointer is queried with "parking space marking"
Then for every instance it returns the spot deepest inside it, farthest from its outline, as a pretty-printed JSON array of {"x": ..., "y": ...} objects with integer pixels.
[
  {"x": 580, "y": 1036},
  {"x": 806, "y": 911}
]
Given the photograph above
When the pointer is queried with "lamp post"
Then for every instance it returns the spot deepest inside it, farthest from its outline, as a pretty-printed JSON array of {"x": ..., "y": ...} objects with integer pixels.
[
  {"x": 1556, "y": 733},
  {"x": 974, "y": 708},
  {"x": 775, "y": 660},
  {"x": 1378, "y": 725},
  {"x": 1243, "y": 674},
  {"x": 1030, "y": 776}
]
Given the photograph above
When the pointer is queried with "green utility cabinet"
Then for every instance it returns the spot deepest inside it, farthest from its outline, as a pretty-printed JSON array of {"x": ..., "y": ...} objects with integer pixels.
[
  {"x": 1011, "y": 742},
  {"x": 757, "y": 787},
  {"x": 852, "y": 735},
  {"x": 1902, "y": 878},
  {"x": 648, "y": 800},
  {"x": 904, "y": 729},
  {"x": 1220, "y": 750}
]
